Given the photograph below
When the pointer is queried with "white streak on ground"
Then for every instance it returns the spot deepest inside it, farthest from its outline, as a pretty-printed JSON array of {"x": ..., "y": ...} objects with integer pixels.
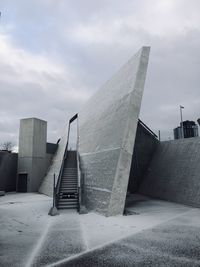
[
  {"x": 38, "y": 246},
  {"x": 113, "y": 241},
  {"x": 84, "y": 236}
]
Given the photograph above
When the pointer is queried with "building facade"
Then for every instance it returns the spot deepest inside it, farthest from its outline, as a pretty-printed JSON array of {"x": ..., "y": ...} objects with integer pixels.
[{"x": 190, "y": 129}]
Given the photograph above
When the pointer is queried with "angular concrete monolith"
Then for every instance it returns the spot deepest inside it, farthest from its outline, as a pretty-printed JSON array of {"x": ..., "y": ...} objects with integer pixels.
[
  {"x": 107, "y": 129},
  {"x": 108, "y": 124}
]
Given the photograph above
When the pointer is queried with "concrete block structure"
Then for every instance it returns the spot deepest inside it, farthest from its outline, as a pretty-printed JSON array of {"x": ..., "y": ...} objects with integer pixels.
[
  {"x": 32, "y": 154},
  {"x": 174, "y": 172},
  {"x": 107, "y": 130}
]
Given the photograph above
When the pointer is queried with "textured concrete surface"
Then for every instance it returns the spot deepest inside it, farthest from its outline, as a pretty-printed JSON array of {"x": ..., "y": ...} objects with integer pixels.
[
  {"x": 63, "y": 239},
  {"x": 107, "y": 129},
  {"x": 32, "y": 151},
  {"x": 29, "y": 237},
  {"x": 23, "y": 221},
  {"x": 175, "y": 243},
  {"x": 174, "y": 172},
  {"x": 46, "y": 186}
]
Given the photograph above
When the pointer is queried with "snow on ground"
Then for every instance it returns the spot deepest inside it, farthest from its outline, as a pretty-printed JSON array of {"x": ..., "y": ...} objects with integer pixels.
[{"x": 29, "y": 237}]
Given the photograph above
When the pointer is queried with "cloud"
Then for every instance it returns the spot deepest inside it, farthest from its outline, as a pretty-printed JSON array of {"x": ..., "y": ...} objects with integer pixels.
[
  {"x": 35, "y": 86},
  {"x": 55, "y": 54}
]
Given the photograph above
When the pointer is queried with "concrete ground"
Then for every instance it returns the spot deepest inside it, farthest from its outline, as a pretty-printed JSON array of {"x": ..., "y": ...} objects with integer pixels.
[{"x": 155, "y": 233}]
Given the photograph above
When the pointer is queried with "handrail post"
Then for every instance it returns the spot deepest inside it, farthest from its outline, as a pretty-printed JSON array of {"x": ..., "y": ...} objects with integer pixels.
[
  {"x": 53, "y": 210},
  {"x": 81, "y": 204}
]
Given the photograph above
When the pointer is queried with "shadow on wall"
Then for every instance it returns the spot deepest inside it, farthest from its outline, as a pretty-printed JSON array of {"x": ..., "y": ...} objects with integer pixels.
[
  {"x": 146, "y": 143},
  {"x": 8, "y": 171}
]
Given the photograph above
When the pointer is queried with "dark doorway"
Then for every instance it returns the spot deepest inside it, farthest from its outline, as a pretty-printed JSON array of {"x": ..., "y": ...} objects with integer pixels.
[{"x": 22, "y": 182}]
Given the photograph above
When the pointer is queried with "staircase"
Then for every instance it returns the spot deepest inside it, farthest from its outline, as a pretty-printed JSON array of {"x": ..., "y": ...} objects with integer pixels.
[{"x": 68, "y": 191}]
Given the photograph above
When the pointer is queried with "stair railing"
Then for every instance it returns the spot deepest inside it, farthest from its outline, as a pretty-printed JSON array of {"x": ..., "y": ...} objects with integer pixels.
[
  {"x": 78, "y": 166},
  {"x": 79, "y": 173},
  {"x": 147, "y": 128},
  {"x": 63, "y": 161}
]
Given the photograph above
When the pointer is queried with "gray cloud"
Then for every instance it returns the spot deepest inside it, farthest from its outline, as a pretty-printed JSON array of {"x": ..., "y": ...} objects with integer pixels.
[{"x": 55, "y": 54}]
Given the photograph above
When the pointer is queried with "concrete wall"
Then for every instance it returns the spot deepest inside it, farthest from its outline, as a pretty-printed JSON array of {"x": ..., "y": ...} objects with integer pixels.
[
  {"x": 174, "y": 172},
  {"x": 145, "y": 146},
  {"x": 8, "y": 171},
  {"x": 46, "y": 186},
  {"x": 107, "y": 127},
  {"x": 32, "y": 151}
]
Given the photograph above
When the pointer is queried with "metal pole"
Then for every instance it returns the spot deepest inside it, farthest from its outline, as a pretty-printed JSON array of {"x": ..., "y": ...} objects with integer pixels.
[
  {"x": 53, "y": 210},
  {"x": 182, "y": 131},
  {"x": 54, "y": 183}
]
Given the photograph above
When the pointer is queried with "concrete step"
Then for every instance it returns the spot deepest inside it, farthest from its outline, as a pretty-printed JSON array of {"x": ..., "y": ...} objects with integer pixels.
[
  {"x": 69, "y": 171},
  {"x": 69, "y": 186},
  {"x": 67, "y": 190},
  {"x": 68, "y": 207},
  {"x": 69, "y": 175},
  {"x": 62, "y": 202},
  {"x": 75, "y": 206},
  {"x": 69, "y": 183},
  {"x": 68, "y": 200},
  {"x": 67, "y": 203},
  {"x": 69, "y": 179}
]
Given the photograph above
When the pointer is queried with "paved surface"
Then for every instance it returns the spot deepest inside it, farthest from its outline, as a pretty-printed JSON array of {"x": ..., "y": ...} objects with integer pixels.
[
  {"x": 175, "y": 243},
  {"x": 156, "y": 233},
  {"x": 22, "y": 224},
  {"x": 63, "y": 239}
]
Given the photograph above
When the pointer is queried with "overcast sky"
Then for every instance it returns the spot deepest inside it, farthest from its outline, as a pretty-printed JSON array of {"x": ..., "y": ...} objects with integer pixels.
[{"x": 54, "y": 54}]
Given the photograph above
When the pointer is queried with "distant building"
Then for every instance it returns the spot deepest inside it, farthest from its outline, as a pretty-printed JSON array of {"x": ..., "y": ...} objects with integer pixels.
[{"x": 190, "y": 129}]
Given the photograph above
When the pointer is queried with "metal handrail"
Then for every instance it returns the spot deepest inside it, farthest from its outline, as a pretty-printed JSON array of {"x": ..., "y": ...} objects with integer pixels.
[
  {"x": 61, "y": 169},
  {"x": 63, "y": 160},
  {"x": 79, "y": 171},
  {"x": 147, "y": 128}
]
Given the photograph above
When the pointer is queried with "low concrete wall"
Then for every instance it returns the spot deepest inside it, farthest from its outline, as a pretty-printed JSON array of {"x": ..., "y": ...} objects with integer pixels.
[
  {"x": 8, "y": 171},
  {"x": 145, "y": 146},
  {"x": 174, "y": 172}
]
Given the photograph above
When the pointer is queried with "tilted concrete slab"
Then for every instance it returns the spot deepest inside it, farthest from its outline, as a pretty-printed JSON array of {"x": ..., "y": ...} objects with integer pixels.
[
  {"x": 46, "y": 186},
  {"x": 107, "y": 129}
]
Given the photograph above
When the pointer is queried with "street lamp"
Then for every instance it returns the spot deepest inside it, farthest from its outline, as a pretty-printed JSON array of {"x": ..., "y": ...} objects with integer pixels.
[{"x": 182, "y": 131}]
